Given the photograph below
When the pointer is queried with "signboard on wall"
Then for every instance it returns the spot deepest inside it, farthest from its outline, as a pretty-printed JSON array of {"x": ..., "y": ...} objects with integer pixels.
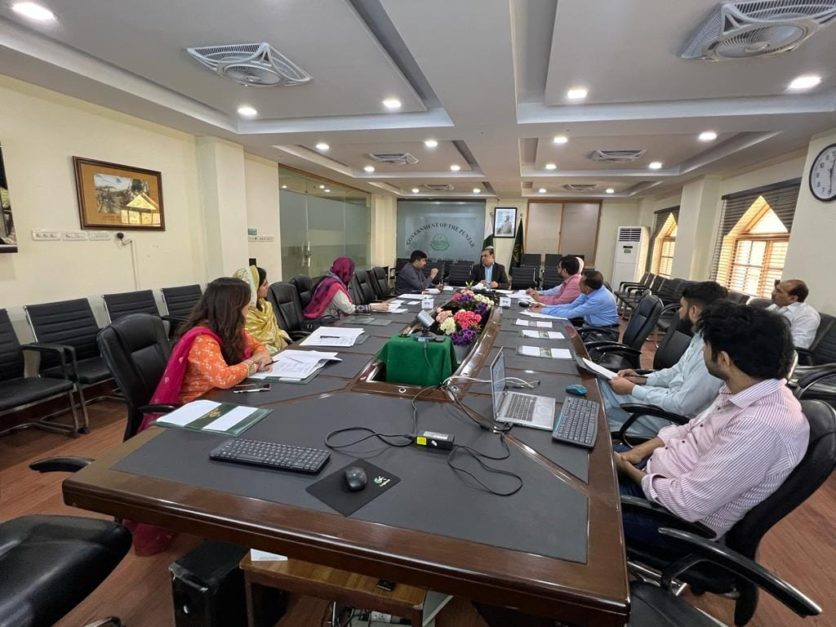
[{"x": 442, "y": 229}]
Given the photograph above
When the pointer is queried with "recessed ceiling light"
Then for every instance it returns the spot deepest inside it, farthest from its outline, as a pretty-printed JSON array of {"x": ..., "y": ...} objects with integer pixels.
[
  {"x": 577, "y": 93},
  {"x": 805, "y": 81},
  {"x": 322, "y": 146},
  {"x": 560, "y": 139},
  {"x": 246, "y": 111},
  {"x": 707, "y": 136},
  {"x": 551, "y": 166},
  {"x": 610, "y": 190},
  {"x": 392, "y": 104},
  {"x": 33, "y": 11},
  {"x": 369, "y": 168},
  {"x": 430, "y": 143},
  {"x": 476, "y": 190},
  {"x": 542, "y": 190},
  {"x": 322, "y": 187},
  {"x": 326, "y": 190},
  {"x": 455, "y": 167},
  {"x": 284, "y": 186},
  {"x": 655, "y": 165},
  {"x": 415, "y": 190}
]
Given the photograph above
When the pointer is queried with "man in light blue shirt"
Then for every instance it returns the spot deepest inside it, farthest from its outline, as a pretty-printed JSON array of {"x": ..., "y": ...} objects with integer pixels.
[
  {"x": 685, "y": 388},
  {"x": 596, "y": 304}
]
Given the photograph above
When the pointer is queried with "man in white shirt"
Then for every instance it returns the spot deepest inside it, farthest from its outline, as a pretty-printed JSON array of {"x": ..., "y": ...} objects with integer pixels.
[
  {"x": 685, "y": 388},
  {"x": 788, "y": 298}
]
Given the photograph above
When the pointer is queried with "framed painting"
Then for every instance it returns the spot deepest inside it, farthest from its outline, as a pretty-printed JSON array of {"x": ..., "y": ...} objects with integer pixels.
[
  {"x": 8, "y": 239},
  {"x": 504, "y": 221},
  {"x": 113, "y": 196}
]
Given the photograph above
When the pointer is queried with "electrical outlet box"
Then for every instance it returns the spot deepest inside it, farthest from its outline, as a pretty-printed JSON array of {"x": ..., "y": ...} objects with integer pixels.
[
  {"x": 100, "y": 236},
  {"x": 75, "y": 236},
  {"x": 264, "y": 238},
  {"x": 40, "y": 235}
]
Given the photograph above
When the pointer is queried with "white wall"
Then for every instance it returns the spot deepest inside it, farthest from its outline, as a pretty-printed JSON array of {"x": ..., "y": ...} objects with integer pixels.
[
  {"x": 504, "y": 246},
  {"x": 262, "y": 183}
]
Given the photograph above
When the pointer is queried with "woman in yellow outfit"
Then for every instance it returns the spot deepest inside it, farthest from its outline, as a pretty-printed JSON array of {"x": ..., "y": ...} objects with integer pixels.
[{"x": 261, "y": 321}]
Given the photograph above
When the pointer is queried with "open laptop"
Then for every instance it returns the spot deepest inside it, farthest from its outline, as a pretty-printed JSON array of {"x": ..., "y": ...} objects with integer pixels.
[{"x": 526, "y": 410}]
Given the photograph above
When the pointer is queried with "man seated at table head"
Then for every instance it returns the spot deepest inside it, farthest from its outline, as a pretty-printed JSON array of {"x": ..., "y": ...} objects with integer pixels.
[
  {"x": 411, "y": 278},
  {"x": 596, "y": 304},
  {"x": 685, "y": 388},
  {"x": 570, "y": 269},
  {"x": 739, "y": 450},
  {"x": 489, "y": 273},
  {"x": 788, "y": 300}
]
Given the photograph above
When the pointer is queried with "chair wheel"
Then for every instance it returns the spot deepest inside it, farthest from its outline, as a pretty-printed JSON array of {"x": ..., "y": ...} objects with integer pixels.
[{"x": 84, "y": 430}]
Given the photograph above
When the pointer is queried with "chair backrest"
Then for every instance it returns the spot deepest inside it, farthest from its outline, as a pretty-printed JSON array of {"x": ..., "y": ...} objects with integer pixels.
[
  {"x": 400, "y": 262},
  {"x": 118, "y": 305},
  {"x": 551, "y": 278},
  {"x": 812, "y": 471},
  {"x": 668, "y": 290},
  {"x": 737, "y": 297},
  {"x": 552, "y": 259},
  {"x": 581, "y": 257},
  {"x": 672, "y": 347},
  {"x": 759, "y": 303},
  {"x": 524, "y": 277},
  {"x": 11, "y": 357},
  {"x": 440, "y": 264},
  {"x": 658, "y": 282},
  {"x": 136, "y": 350},
  {"x": 365, "y": 285},
  {"x": 180, "y": 300},
  {"x": 304, "y": 286},
  {"x": 380, "y": 282},
  {"x": 286, "y": 305},
  {"x": 68, "y": 322},
  {"x": 643, "y": 321},
  {"x": 532, "y": 259},
  {"x": 459, "y": 273},
  {"x": 824, "y": 344},
  {"x": 355, "y": 291}
]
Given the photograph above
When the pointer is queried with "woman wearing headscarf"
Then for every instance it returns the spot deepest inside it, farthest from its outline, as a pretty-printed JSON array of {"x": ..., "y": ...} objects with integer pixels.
[
  {"x": 261, "y": 320},
  {"x": 331, "y": 297}
]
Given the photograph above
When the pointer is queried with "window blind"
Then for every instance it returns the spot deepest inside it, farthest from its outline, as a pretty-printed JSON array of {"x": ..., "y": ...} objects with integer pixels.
[{"x": 661, "y": 216}]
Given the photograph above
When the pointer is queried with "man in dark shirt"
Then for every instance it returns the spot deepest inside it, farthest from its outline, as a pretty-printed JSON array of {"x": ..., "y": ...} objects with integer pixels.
[
  {"x": 411, "y": 279},
  {"x": 489, "y": 273}
]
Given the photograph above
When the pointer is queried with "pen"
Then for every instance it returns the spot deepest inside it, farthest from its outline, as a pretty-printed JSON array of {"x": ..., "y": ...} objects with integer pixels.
[
  {"x": 246, "y": 391},
  {"x": 335, "y": 337}
]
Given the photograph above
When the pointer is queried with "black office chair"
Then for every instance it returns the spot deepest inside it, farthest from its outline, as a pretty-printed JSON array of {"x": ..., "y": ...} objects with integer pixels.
[
  {"x": 738, "y": 297},
  {"x": 288, "y": 309},
  {"x": 400, "y": 262},
  {"x": 552, "y": 259},
  {"x": 71, "y": 324},
  {"x": 17, "y": 391},
  {"x": 179, "y": 301},
  {"x": 458, "y": 274},
  {"x": 532, "y": 259},
  {"x": 672, "y": 347},
  {"x": 380, "y": 283},
  {"x": 551, "y": 278},
  {"x": 364, "y": 285},
  {"x": 632, "y": 293},
  {"x": 136, "y": 350},
  {"x": 627, "y": 353},
  {"x": 304, "y": 286},
  {"x": 523, "y": 277},
  {"x": 759, "y": 303},
  {"x": 745, "y": 536},
  {"x": 124, "y": 303},
  {"x": 814, "y": 377},
  {"x": 671, "y": 305}
]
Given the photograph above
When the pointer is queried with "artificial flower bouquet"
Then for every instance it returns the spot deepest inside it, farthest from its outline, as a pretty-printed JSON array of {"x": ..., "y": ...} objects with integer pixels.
[{"x": 462, "y": 326}]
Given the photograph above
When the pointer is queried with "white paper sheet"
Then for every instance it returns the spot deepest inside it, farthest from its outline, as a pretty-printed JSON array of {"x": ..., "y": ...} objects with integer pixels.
[
  {"x": 188, "y": 413},
  {"x": 295, "y": 364},
  {"x": 539, "y": 351},
  {"x": 537, "y": 314},
  {"x": 541, "y": 324},
  {"x": 230, "y": 418},
  {"x": 266, "y": 556},
  {"x": 333, "y": 336},
  {"x": 432, "y": 291},
  {"x": 551, "y": 335},
  {"x": 449, "y": 288},
  {"x": 411, "y": 296},
  {"x": 591, "y": 365}
]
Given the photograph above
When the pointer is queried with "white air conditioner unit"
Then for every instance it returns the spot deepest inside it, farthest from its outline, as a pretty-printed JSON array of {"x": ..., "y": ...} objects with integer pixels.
[
  {"x": 251, "y": 65},
  {"x": 630, "y": 254}
]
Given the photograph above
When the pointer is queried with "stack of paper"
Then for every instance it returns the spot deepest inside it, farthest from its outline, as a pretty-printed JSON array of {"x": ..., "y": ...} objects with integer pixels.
[
  {"x": 537, "y": 314},
  {"x": 542, "y": 324},
  {"x": 396, "y": 307},
  {"x": 432, "y": 290},
  {"x": 293, "y": 365},
  {"x": 333, "y": 336},
  {"x": 411, "y": 296},
  {"x": 543, "y": 335},
  {"x": 449, "y": 288},
  {"x": 212, "y": 416},
  {"x": 599, "y": 370},
  {"x": 541, "y": 351}
]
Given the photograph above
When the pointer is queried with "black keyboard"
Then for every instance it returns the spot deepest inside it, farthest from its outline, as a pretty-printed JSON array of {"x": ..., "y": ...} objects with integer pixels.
[
  {"x": 271, "y": 455},
  {"x": 577, "y": 422}
]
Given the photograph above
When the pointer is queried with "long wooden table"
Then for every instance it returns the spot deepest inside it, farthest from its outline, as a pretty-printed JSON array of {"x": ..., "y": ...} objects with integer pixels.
[{"x": 589, "y": 592}]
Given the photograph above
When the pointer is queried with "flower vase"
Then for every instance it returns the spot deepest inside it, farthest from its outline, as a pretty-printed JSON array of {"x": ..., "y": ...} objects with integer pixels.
[{"x": 461, "y": 351}]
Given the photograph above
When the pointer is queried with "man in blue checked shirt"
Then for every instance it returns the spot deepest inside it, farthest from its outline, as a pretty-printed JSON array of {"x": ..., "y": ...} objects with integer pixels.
[{"x": 596, "y": 304}]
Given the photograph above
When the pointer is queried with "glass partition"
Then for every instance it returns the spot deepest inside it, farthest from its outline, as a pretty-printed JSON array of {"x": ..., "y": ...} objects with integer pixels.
[{"x": 444, "y": 229}]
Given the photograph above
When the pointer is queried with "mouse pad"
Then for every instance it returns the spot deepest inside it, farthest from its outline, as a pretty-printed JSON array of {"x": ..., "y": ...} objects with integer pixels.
[{"x": 333, "y": 491}]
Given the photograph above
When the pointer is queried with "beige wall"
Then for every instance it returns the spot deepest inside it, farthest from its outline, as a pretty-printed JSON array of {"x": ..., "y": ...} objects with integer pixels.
[
  {"x": 384, "y": 230},
  {"x": 262, "y": 190},
  {"x": 504, "y": 246},
  {"x": 614, "y": 213}
]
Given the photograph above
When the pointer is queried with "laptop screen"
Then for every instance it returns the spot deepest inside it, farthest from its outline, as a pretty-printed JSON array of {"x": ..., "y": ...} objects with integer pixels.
[{"x": 497, "y": 381}]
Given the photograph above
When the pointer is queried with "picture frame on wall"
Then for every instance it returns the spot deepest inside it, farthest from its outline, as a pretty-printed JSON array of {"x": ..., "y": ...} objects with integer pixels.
[
  {"x": 8, "y": 237},
  {"x": 114, "y": 196},
  {"x": 504, "y": 221}
]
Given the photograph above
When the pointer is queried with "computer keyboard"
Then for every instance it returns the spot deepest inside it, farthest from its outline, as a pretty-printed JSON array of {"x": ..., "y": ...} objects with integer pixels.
[
  {"x": 271, "y": 455},
  {"x": 577, "y": 422},
  {"x": 521, "y": 407}
]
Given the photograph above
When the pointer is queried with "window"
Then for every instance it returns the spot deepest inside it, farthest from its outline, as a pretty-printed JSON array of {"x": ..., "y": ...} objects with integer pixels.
[{"x": 664, "y": 246}]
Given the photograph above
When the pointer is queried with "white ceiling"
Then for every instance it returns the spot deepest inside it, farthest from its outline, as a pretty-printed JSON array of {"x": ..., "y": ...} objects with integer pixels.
[{"x": 486, "y": 78}]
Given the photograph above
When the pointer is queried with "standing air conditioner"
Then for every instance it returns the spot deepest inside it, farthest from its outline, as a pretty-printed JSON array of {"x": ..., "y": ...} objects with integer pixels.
[{"x": 630, "y": 254}]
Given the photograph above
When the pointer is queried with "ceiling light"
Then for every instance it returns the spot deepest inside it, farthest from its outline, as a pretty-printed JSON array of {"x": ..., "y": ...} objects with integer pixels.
[
  {"x": 326, "y": 190},
  {"x": 392, "y": 104},
  {"x": 805, "y": 81},
  {"x": 551, "y": 166},
  {"x": 284, "y": 186},
  {"x": 476, "y": 190},
  {"x": 430, "y": 143},
  {"x": 322, "y": 146},
  {"x": 369, "y": 168},
  {"x": 33, "y": 11},
  {"x": 655, "y": 165},
  {"x": 415, "y": 190},
  {"x": 560, "y": 139},
  {"x": 246, "y": 111},
  {"x": 542, "y": 190},
  {"x": 707, "y": 136},
  {"x": 322, "y": 187},
  {"x": 610, "y": 190},
  {"x": 455, "y": 167},
  {"x": 577, "y": 93}
]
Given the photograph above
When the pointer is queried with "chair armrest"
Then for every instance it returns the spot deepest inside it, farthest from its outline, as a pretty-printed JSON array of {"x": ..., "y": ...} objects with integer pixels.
[
  {"x": 703, "y": 550},
  {"x": 61, "y": 464},
  {"x": 624, "y": 284},
  {"x": 805, "y": 357},
  {"x": 637, "y": 410},
  {"x": 643, "y": 372},
  {"x": 812, "y": 375},
  {"x": 656, "y": 511},
  {"x": 173, "y": 318},
  {"x": 612, "y": 347},
  {"x": 670, "y": 307},
  {"x": 591, "y": 329},
  {"x": 68, "y": 366},
  {"x": 156, "y": 409}
]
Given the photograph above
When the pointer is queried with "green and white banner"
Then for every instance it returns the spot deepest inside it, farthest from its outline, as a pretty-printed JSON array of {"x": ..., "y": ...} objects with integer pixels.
[{"x": 442, "y": 229}]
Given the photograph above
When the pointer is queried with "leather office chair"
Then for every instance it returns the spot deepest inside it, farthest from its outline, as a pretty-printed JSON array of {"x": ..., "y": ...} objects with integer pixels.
[
  {"x": 552, "y": 259},
  {"x": 738, "y": 297},
  {"x": 124, "y": 303},
  {"x": 355, "y": 291},
  {"x": 400, "y": 262},
  {"x": 71, "y": 324},
  {"x": 673, "y": 345},
  {"x": 815, "y": 377},
  {"x": 671, "y": 306},
  {"x": 304, "y": 286},
  {"x": 745, "y": 536},
  {"x": 634, "y": 293},
  {"x": 523, "y": 277},
  {"x": 380, "y": 283},
  {"x": 459, "y": 273},
  {"x": 365, "y": 287},
  {"x": 532, "y": 259},
  {"x": 288, "y": 309},
  {"x": 17, "y": 391},
  {"x": 136, "y": 350},
  {"x": 759, "y": 303},
  {"x": 551, "y": 278},
  {"x": 627, "y": 353},
  {"x": 179, "y": 302}
]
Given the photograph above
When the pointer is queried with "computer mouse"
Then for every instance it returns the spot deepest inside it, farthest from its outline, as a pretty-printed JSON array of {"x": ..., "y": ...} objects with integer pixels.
[
  {"x": 524, "y": 303},
  {"x": 577, "y": 389},
  {"x": 355, "y": 478}
]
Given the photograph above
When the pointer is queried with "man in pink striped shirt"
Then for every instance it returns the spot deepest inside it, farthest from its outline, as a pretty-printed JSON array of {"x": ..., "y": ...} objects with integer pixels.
[
  {"x": 737, "y": 452},
  {"x": 570, "y": 269}
]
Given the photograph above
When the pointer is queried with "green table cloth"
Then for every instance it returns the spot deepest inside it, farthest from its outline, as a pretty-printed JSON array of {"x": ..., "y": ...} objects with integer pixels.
[{"x": 417, "y": 363}]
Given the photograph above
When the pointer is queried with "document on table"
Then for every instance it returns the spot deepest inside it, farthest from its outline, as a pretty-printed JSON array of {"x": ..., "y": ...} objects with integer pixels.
[
  {"x": 542, "y": 324},
  {"x": 411, "y": 296},
  {"x": 206, "y": 415},
  {"x": 537, "y": 314},
  {"x": 449, "y": 288},
  {"x": 293, "y": 365},
  {"x": 519, "y": 294},
  {"x": 432, "y": 290},
  {"x": 596, "y": 369},
  {"x": 396, "y": 309},
  {"x": 542, "y": 351},
  {"x": 543, "y": 335},
  {"x": 333, "y": 336}
]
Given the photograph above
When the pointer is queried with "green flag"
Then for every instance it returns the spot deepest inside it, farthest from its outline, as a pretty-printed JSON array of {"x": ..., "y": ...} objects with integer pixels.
[
  {"x": 517, "y": 255},
  {"x": 488, "y": 241}
]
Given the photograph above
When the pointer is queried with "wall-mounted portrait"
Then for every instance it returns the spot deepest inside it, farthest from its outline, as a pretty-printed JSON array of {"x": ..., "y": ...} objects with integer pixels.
[
  {"x": 504, "y": 221},
  {"x": 118, "y": 196},
  {"x": 8, "y": 239}
]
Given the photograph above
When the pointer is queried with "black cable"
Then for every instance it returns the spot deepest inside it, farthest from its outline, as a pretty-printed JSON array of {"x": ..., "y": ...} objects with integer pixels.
[{"x": 475, "y": 455}]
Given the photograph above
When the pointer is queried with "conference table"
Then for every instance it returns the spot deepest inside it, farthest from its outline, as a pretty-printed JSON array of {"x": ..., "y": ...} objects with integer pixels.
[{"x": 553, "y": 549}]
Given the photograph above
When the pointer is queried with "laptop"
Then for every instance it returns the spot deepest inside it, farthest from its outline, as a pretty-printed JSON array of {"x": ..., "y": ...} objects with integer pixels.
[{"x": 526, "y": 410}]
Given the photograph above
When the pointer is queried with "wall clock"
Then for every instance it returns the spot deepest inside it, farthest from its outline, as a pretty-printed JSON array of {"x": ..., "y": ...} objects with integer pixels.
[{"x": 823, "y": 174}]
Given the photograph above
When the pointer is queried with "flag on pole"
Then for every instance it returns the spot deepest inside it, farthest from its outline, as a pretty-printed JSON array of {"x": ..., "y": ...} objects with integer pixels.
[
  {"x": 517, "y": 255},
  {"x": 488, "y": 241}
]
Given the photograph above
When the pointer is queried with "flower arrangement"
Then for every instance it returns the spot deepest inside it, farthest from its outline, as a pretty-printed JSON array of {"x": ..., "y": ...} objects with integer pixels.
[
  {"x": 462, "y": 326},
  {"x": 470, "y": 301}
]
